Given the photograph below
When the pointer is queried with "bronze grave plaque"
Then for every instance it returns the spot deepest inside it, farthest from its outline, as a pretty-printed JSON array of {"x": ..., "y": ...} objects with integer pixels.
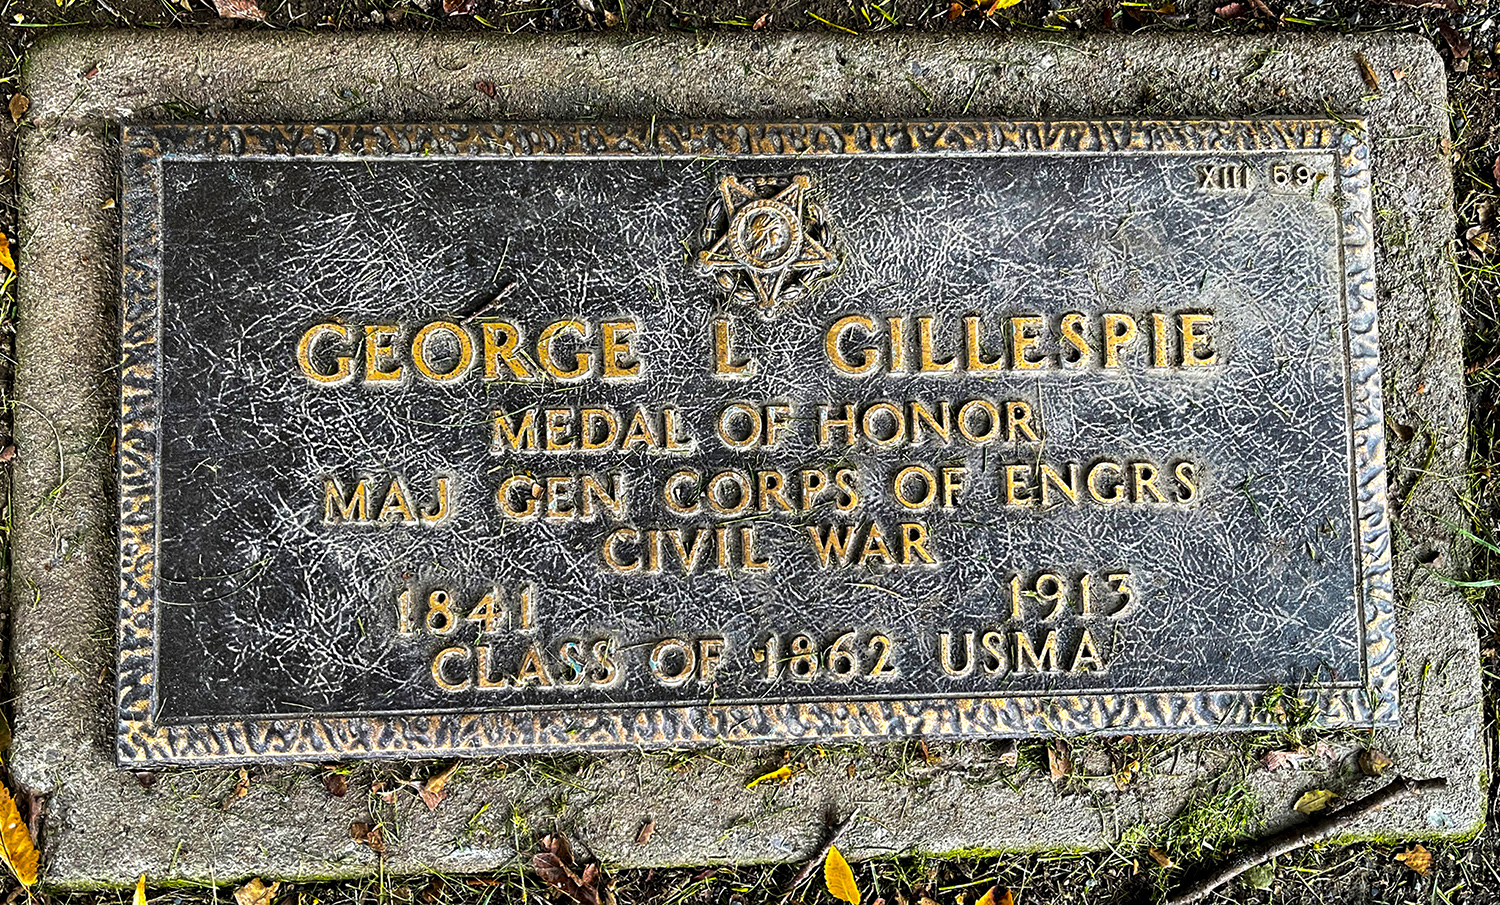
[{"x": 446, "y": 440}]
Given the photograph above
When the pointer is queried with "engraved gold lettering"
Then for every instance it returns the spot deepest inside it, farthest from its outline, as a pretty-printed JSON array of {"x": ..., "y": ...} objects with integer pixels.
[
  {"x": 976, "y": 358},
  {"x": 583, "y": 361},
  {"x": 950, "y": 667},
  {"x": 868, "y": 360},
  {"x": 1072, "y": 331},
  {"x": 1025, "y": 337},
  {"x": 341, "y": 371},
  {"x": 727, "y": 366},
  {"x": 927, "y": 364},
  {"x": 1119, "y": 332},
  {"x": 1197, "y": 342},
  {"x": 620, "y": 363},
  {"x": 500, "y": 343},
  {"x": 424, "y": 364},
  {"x": 380, "y": 354}
]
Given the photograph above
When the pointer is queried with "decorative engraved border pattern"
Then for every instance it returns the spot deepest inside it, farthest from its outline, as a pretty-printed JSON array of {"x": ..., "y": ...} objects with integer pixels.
[{"x": 144, "y": 742}]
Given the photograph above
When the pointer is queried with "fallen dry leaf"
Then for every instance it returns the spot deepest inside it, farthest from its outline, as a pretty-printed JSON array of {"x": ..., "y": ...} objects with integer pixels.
[
  {"x": 335, "y": 783},
  {"x": 256, "y": 892},
  {"x": 240, "y": 9},
  {"x": 1315, "y": 800},
  {"x": 1060, "y": 760},
  {"x": 1367, "y": 72},
  {"x": 1417, "y": 858},
  {"x": 643, "y": 835},
  {"x": 16, "y": 846},
  {"x": 955, "y": 10},
  {"x": 839, "y": 877},
  {"x": 1160, "y": 857},
  {"x": 1126, "y": 773},
  {"x": 140, "y": 891},
  {"x": 779, "y": 775},
  {"x": 240, "y": 790},
  {"x": 762, "y": 22},
  {"x": 6, "y": 261},
  {"x": 554, "y": 865},
  {"x": 1458, "y": 45},
  {"x": 369, "y": 834},
  {"x": 19, "y": 104},
  {"x": 989, "y": 897},
  {"x": 431, "y": 791},
  {"x": 383, "y": 792},
  {"x": 460, "y": 7},
  {"x": 1275, "y": 760},
  {"x": 1373, "y": 762}
]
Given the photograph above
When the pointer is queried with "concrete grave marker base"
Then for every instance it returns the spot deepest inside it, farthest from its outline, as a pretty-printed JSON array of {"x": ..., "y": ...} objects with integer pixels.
[{"x": 105, "y": 826}]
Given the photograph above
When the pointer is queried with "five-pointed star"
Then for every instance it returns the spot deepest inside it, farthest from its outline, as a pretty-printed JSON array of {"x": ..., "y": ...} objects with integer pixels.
[{"x": 767, "y": 281}]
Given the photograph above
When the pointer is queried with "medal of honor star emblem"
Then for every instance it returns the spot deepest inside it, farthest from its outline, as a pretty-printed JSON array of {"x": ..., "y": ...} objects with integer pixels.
[{"x": 765, "y": 240}]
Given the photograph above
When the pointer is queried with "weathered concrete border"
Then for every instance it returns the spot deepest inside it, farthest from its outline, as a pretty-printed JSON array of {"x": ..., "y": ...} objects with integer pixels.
[{"x": 64, "y": 584}]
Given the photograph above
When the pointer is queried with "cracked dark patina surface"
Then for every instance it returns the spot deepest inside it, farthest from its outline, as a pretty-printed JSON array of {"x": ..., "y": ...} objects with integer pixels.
[{"x": 253, "y": 630}]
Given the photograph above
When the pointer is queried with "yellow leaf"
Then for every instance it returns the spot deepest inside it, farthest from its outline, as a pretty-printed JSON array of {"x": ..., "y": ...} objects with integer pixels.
[
  {"x": 839, "y": 877},
  {"x": 1315, "y": 800},
  {"x": 781, "y": 774},
  {"x": 6, "y": 260},
  {"x": 16, "y": 846},
  {"x": 989, "y": 897},
  {"x": 256, "y": 892},
  {"x": 1417, "y": 858},
  {"x": 140, "y": 890}
]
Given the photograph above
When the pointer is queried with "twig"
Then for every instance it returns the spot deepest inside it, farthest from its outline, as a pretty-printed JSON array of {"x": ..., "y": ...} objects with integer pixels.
[
  {"x": 1304, "y": 834},
  {"x": 810, "y": 866}
]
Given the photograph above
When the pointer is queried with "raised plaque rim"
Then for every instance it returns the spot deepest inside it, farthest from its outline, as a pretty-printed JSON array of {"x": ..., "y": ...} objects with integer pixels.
[{"x": 143, "y": 742}]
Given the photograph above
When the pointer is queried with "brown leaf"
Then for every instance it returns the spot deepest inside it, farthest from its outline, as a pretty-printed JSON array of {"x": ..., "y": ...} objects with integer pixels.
[
  {"x": 990, "y": 898},
  {"x": 643, "y": 835},
  {"x": 955, "y": 11},
  {"x": 1315, "y": 800},
  {"x": 335, "y": 783},
  {"x": 383, "y": 792},
  {"x": 485, "y": 88},
  {"x": 7, "y": 453},
  {"x": 1417, "y": 858},
  {"x": 370, "y": 834},
  {"x": 432, "y": 792},
  {"x": 1009, "y": 752},
  {"x": 561, "y": 877},
  {"x": 240, "y": 9},
  {"x": 1060, "y": 760},
  {"x": 1457, "y": 43},
  {"x": 256, "y": 892},
  {"x": 1367, "y": 72},
  {"x": 1373, "y": 762},
  {"x": 1230, "y": 11},
  {"x": 1160, "y": 857},
  {"x": 1126, "y": 773},
  {"x": 762, "y": 22},
  {"x": 558, "y": 844},
  {"x": 19, "y": 104},
  {"x": 460, "y": 7},
  {"x": 16, "y": 846},
  {"x": 240, "y": 790},
  {"x": 1275, "y": 760}
]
